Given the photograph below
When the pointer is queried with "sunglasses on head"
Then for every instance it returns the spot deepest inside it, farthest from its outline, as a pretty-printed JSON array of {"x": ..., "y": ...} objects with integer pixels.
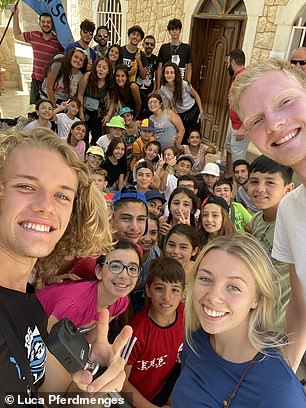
[
  {"x": 87, "y": 32},
  {"x": 102, "y": 35},
  {"x": 149, "y": 44},
  {"x": 300, "y": 62}
]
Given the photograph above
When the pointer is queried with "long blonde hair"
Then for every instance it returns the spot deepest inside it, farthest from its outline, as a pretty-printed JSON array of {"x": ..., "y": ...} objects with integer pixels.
[
  {"x": 261, "y": 331},
  {"x": 88, "y": 231}
]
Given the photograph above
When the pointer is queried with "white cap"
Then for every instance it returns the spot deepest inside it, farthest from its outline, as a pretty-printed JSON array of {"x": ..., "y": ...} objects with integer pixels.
[{"x": 211, "y": 168}]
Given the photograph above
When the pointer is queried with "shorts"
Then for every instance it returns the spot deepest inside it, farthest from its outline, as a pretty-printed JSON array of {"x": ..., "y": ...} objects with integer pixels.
[{"x": 237, "y": 145}]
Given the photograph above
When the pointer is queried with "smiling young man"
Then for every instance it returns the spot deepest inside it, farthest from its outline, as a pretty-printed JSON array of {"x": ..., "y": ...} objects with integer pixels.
[
  {"x": 133, "y": 57},
  {"x": 45, "y": 45},
  {"x": 176, "y": 52},
  {"x": 270, "y": 98},
  {"x": 87, "y": 29},
  {"x": 48, "y": 209}
]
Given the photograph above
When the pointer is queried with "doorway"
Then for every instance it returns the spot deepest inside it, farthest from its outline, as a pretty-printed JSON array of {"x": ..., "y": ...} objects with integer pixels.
[{"x": 215, "y": 32}]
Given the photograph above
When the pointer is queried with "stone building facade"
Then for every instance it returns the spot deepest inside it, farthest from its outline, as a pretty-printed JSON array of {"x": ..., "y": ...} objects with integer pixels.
[{"x": 268, "y": 27}]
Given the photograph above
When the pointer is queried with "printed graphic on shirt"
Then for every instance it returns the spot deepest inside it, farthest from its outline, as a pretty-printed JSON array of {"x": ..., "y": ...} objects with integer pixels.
[{"x": 36, "y": 353}]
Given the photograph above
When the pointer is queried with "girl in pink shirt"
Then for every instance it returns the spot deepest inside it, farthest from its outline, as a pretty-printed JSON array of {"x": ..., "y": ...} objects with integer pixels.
[
  {"x": 77, "y": 133},
  {"x": 81, "y": 302}
]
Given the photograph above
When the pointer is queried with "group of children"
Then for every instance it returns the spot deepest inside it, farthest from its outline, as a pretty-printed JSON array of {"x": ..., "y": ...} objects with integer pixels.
[
  {"x": 163, "y": 258},
  {"x": 170, "y": 211}
]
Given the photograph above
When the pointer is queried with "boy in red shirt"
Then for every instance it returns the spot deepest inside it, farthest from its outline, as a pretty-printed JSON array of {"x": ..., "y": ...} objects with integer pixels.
[{"x": 158, "y": 335}]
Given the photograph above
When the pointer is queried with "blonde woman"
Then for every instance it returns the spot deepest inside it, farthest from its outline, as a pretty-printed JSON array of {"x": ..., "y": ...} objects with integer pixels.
[{"x": 232, "y": 355}]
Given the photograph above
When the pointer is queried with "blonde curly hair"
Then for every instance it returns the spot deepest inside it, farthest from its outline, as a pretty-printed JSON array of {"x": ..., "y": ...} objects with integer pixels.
[{"x": 88, "y": 232}]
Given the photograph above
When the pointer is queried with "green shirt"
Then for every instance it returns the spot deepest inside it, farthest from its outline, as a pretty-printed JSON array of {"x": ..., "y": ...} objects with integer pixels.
[
  {"x": 239, "y": 216},
  {"x": 264, "y": 232}
]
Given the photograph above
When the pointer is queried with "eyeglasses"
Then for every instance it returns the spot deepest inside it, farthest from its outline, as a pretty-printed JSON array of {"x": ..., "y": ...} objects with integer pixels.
[
  {"x": 153, "y": 101},
  {"x": 300, "y": 62},
  {"x": 117, "y": 267},
  {"x": 95, "y": 156},
  {"x": 87, "y": 32},
  {"x": 148, "y": 44},
  {"x": 102, "y": 35}
]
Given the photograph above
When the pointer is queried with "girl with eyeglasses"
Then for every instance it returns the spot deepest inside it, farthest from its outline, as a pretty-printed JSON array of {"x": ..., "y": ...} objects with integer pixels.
[{"x": 116, "y": 275}]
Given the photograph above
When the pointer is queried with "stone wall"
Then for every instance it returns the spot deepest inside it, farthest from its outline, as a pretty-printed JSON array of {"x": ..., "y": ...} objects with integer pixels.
[
  {"x": 80, "y": 10},
  {"x": 266, "y": 29},
  {"x": 153, "y": 16},
  {"x": 8, "y": 60}
]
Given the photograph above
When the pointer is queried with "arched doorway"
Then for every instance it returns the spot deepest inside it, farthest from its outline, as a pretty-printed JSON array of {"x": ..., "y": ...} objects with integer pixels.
[{"x": 218, "y": 26}]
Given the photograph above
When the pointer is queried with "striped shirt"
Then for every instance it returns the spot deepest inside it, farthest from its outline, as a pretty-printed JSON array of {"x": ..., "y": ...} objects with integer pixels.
[{"x": 43, "y": 51}]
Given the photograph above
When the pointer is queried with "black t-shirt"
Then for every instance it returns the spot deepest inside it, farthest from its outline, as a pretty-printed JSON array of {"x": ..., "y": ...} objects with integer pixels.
[
  {"x": 129, "y": 58},
  {"x": 113, "y": 171},
  {"x": 178, "y": 54},
  {"x": 146, "y": 85},
  {"x": 28, "y": 320}
]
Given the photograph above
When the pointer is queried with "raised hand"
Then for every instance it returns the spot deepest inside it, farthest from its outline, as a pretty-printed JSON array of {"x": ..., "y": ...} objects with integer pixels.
[{"x": 108, "y": 355}]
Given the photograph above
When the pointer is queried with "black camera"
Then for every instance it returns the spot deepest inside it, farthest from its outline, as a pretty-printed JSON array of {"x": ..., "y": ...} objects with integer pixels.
[{"x": 70, "y": 347}]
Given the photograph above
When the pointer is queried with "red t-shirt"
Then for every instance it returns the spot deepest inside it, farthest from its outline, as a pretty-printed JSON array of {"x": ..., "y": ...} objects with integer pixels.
[
  {"x": 236, "y": 122},
  {"x": 155, "y": 352},
  {"x": 43, "y": 51}
]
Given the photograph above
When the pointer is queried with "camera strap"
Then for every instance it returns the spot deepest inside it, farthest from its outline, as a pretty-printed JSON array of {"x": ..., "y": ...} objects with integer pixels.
[
  {"x": 16, "y": 349},
  {"x": 226, "y": 403}
]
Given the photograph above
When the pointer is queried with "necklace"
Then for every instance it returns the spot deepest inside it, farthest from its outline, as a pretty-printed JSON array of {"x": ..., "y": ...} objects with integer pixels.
[{"x": 174, "y": 48}]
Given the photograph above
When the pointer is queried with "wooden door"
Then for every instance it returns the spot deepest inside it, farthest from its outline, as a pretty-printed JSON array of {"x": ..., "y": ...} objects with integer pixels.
[{"x": 212, "y": 40}]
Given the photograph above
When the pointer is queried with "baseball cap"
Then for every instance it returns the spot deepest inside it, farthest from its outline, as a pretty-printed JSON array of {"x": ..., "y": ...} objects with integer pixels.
[
  {"x": 212, "y": 199},
  {"x": 116, "y": 121},
  {"x": 129, "y": 191},
  {"x": 146, "y": 124},
  {"x": 185, "y": 157},
  {"x": 124, "y": 110},
  {"x": 96, "y": 150},
  {"x": 212, "y": 169},
  {"x": 136, "y": 28},
  {"x": 155, "y": 194}
]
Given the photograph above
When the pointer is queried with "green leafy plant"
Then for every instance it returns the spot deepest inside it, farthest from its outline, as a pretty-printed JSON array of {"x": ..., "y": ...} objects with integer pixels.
[{"x": 5, "y": 3}]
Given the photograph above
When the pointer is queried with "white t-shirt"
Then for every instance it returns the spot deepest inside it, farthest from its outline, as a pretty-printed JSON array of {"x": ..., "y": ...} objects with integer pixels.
[
  {"x": 33, "y": 125},
  {"x": 64, "y": 124},
  {"x": 171, "y": 185},
  {"x": 103, "y": 142},
  {"x": 289, "y": 243}
]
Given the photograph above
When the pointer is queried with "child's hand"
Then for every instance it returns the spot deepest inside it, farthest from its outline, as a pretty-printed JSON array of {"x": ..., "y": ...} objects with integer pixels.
[
  {"x": 161, "y": 161},
  {"x": 172, "y": 162},
  {"x": 184, "y": 217},
  {"x": 64, "y": 105},
  {"x": 164, "y": 228}
]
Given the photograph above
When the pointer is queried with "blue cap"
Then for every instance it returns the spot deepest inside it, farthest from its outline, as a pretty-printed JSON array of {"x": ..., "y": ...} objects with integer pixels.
[
  {"x": 124, "y": 110},
  {"x": 155, "y": 194},
  {"x": 129, "y": 191}
]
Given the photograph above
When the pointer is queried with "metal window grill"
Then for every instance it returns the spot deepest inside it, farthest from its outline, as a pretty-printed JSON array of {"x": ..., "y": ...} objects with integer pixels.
[
  {"x": 110, "y": 15},
  {"x": 297, "y": 37}
]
